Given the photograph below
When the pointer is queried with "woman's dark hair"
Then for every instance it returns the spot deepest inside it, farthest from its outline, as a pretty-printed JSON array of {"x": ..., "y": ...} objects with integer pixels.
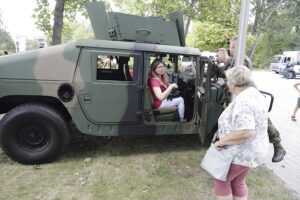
[{"x": 153, "y": 66}]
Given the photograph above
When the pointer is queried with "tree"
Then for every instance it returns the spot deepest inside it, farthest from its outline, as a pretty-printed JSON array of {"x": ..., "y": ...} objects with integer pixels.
[
  {"x": 64, "y": 9},
  {"x": 216, "y": 19},
  {"x": 73, "y": 31},
  {"x": 42, "y": 16},
  {"x": 274, "y": 29},
  {"x": 6, "y": 42},
  {"x": 1, "y": 23},
  {"x": 58, "y": 21}
]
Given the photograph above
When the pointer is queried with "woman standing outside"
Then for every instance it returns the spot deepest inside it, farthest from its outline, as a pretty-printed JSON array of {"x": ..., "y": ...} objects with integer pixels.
[
  {"x": 160, "y": 88},
  {"x": 242, "y": 128}
]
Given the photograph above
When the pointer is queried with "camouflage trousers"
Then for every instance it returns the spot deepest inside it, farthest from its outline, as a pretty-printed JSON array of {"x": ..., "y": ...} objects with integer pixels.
[{"x": 274, "y": 136}]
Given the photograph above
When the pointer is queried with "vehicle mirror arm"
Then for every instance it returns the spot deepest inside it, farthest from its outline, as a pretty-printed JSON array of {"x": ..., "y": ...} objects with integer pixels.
[{"x": 272, "y": 99}]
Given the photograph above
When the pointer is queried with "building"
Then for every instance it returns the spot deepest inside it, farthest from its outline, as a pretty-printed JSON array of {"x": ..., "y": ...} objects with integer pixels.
[{"x": 21, "y": 42}]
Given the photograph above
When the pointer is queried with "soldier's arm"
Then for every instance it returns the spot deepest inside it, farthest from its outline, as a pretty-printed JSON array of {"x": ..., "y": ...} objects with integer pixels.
[{"x": 229, "y": 64}]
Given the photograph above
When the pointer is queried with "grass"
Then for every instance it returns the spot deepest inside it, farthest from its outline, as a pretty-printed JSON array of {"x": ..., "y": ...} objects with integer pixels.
[{"x": 162, "y": 167}]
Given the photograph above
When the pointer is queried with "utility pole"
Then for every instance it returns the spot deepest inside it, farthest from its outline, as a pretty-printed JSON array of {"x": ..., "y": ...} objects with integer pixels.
[{"x": 242, "y": 36}]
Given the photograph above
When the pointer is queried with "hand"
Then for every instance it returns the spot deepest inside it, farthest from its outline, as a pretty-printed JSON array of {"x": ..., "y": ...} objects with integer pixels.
[
  {"x": 174, "y": 85},
  {"x": 219, "y": 144},
  {"x": 221, "y": 81}
]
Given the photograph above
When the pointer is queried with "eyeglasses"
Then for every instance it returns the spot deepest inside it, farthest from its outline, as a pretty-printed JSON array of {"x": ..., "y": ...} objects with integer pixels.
[{"x": 161, "y": 66}]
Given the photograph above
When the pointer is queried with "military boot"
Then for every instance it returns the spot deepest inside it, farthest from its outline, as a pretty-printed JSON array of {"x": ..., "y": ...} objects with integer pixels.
[{"x": 279, "y": 153}]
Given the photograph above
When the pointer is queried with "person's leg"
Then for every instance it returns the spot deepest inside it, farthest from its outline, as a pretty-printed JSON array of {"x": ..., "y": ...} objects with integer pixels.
[
  {"x": 240, "y": 198},
  {"x": 224, "y": 197},
  {"x": 179, "y": 102},
  {"x": 238, "y": 185},
  {"x": 223, "y": 189},
  {"x": 296, "y": 109},
  {"x": 294, "y": 113},
  {"x": 284, "y": 72},
  {"x": 275, "y": 139}
]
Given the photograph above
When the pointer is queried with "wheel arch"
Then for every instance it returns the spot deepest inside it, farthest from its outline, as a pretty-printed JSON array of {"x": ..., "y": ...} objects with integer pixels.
[{"x": 9, "y": 102}]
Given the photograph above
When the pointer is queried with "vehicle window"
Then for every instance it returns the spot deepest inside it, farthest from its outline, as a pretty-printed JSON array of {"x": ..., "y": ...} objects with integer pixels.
[
  {"x": 183, "y": 73},
  {"x": 276, "y": 59},
  {"x": 177, "y": 65},
  {"x": 115, "y": 67},
  {"x": 286, "y": 59},
  {"x": 170, "y": 62}
]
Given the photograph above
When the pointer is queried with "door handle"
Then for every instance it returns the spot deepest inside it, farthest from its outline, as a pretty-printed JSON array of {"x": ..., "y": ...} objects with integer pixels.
[{"x": 87, "y": 98}]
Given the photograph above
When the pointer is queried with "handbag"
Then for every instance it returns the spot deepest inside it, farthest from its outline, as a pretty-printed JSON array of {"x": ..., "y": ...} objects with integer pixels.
[
  {"x": 174, "y": 94},
  {"x": 217, "y": 162}
]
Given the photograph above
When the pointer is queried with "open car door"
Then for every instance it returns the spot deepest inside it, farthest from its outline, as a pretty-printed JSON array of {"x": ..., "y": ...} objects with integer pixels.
[
  {"x": 202, "y": 97},
  {"x": 208, "y": 97}
]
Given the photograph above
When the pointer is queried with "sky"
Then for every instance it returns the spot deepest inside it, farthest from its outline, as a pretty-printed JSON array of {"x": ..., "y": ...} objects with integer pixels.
[{"x": 16, "y": 16}]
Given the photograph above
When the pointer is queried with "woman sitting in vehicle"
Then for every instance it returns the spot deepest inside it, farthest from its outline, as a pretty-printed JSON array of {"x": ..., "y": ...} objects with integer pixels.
[{"x": 161, "y": 89}]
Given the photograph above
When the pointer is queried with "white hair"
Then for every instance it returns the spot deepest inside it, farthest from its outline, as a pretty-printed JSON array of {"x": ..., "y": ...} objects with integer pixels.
[{"x": 239, "y": 76}]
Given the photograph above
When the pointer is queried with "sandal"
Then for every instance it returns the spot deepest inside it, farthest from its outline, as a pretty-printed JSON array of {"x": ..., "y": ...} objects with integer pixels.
[{"x": 293, "y": 118}]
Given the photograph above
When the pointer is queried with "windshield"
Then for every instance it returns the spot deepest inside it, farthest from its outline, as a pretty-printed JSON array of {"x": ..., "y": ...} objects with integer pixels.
[{"x": 276, "y": 59}]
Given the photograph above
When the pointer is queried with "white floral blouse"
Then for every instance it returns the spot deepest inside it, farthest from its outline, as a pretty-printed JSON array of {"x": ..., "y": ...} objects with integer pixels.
[{"x": 247, "y": 111}]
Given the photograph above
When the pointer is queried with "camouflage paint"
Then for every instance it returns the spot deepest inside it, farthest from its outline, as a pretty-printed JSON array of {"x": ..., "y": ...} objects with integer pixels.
[
  {"x": 104, "y": 116},
  {"x": 103, "y": 108}
]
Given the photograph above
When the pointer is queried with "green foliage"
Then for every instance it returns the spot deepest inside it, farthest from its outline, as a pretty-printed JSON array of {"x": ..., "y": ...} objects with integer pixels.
[
  {"x": 280, "y": 33},
  {"x": 6, "y": 42},
  {"x": 215, "y": 21},
  {"x": 209, "y": 36},
  {"x": 275, "y": 29},
  {"x": 1, "y": 23},
  {"x": 73, "y": 31},
  {"x": 44, "y": 16}
]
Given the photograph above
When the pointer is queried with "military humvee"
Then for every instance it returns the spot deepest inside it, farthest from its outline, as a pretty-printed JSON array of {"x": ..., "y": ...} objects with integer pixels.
[{"x": 101, "y": 86}]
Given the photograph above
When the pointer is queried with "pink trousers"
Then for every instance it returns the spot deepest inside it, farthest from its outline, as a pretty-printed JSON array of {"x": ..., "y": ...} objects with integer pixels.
[{"x": 235, "y": 183}]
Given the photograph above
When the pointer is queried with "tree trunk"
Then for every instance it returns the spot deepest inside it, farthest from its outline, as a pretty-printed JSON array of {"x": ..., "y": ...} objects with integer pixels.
[
  {"x": 187, "y": 25},
  {"x": 258, "y": 10},
  {"x": 253, "y": 47},
  {"x": 58, "y": 22}
]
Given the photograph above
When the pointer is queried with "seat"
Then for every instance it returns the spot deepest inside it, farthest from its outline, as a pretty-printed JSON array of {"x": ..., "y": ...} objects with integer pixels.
[{"x": 163, "y": 114}]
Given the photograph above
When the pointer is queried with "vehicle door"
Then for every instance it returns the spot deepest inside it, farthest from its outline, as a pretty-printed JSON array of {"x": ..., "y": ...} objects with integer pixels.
[
  {"x": 208, "y": 96},
  {"x": 107, "y": 83}
]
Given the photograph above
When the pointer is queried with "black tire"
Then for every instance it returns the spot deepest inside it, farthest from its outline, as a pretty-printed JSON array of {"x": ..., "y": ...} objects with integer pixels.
[{"x": 33, "y": 134}]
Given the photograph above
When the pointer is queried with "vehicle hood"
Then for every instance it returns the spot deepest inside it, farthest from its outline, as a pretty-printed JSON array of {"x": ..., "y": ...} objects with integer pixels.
[{"x": 51, "y": 63}]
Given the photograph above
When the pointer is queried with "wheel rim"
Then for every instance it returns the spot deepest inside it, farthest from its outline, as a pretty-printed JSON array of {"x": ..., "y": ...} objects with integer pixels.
[{"x": 33, "y": 137}]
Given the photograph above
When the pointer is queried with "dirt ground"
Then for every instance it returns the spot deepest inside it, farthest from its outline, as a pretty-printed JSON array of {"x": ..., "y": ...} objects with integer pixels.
[{"x": 161, "y": 167}]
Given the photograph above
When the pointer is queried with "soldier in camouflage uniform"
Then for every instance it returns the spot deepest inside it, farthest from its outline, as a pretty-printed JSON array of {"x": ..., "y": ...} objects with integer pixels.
[{"x": 274, "y": 136}]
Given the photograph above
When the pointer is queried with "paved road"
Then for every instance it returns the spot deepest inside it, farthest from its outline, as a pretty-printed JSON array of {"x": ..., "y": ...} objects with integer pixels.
[{"x": 285, "y": 100}]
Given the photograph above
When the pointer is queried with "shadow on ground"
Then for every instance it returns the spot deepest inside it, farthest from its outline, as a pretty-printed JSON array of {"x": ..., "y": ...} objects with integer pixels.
[{"x": 81, "y": 145}]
